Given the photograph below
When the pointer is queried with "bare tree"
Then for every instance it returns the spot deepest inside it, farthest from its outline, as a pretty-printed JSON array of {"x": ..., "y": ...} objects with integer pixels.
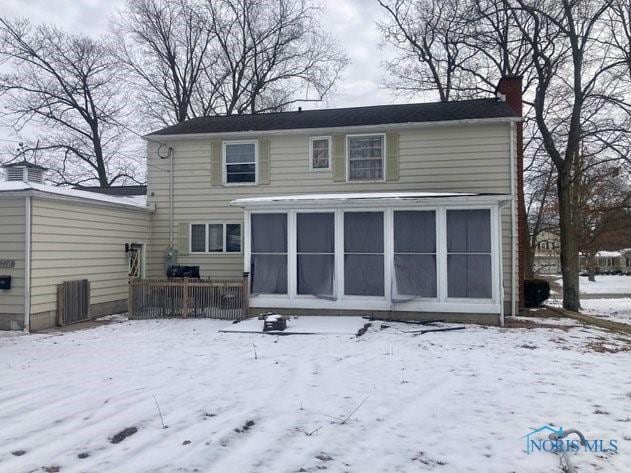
[
  {"x": 192, "y": 58},
  {"x": 458, "y": 48},
  {"x": 69, "y": 86},
  {"x": 572, "y": 76},
  {"x": 602, "y": 203},
  {"x": 165, "y": 46},
  {"x": 275, "y": 54}
]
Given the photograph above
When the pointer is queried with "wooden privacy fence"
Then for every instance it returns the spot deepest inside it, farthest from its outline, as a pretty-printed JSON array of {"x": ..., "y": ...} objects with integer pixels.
[
  {"x": 73, "y": 301},
  {"x": 204, "y": 298}
]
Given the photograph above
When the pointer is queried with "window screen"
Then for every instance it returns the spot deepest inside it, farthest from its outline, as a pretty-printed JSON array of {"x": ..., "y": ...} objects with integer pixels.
[
  {"x": 198, "y": 238},
  {"x": 215, "y": 237},
  {"x": 233, "y": 237},
  {"x": 415, "y": 253},
  {"x": 240, "y": 162},
  {"x": 365, "y": 158},
  {"x": 315, "y": 253},
  {"x": 363, "y": 254},
  {"x": 469, "y": 253},
  {"x": 269, "y": 254},
  {"x": 320, "y": 153}
]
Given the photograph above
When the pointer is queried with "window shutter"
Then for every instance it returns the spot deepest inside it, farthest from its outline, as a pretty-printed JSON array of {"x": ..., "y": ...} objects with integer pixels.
[
  {"x": 182, "y": 239},
  {"x": 392, "y": 157},
  {"x": 264, "y": 161},
  {"x": 339, "y": 158},
  {"x": 216, "y": 173}
]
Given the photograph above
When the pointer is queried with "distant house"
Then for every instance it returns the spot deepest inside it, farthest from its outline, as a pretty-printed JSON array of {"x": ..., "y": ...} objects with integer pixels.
[
  {"x": 548, "y": 257},
  {"x": 50, "y": 235}
]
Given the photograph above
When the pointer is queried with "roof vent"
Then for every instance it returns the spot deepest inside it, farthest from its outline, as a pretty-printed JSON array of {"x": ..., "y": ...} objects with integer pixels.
[{"x": 24, "y": 172}]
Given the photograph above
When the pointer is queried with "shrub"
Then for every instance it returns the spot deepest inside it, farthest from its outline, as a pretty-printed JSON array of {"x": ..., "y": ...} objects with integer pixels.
[{"x": 535, "y": 292}]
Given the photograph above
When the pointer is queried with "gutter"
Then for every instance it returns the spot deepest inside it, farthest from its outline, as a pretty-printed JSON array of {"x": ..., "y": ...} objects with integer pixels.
[
  {"x": 74, "y": 199},
  {"x": 27, "y": 263},
  {"x": 393, "y": 202},
  {"x": 513, "y": 220},
  {"x": 323, "y": 130}
]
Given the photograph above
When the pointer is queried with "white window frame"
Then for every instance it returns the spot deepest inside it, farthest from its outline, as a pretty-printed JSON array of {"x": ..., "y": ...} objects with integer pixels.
[
  {"x": 224, "y": 242},
  {"x": 495, "y": 256},
  {"x": 318, "y": 138},
  {"x": 441, "y": 303},
  {"x": 383, "y": 157},
  {"x": 224, "y": 167}
]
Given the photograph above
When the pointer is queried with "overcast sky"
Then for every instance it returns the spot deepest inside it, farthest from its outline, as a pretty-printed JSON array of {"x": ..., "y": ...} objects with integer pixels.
[{"x": 351, "y": 21}]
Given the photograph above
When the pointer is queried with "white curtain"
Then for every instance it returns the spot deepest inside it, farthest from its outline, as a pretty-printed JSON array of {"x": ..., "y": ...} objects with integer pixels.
[
  {"x": 363, "y": 254},
  {"x": 469, "y": 253},
  {"x": 269, "y": 254}
]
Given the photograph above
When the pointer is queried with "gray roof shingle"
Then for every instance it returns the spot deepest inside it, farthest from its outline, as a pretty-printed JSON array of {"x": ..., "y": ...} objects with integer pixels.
[{"x": 344, "y": 117}]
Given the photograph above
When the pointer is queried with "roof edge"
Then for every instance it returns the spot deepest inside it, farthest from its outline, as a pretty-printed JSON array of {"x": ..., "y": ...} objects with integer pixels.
[
  {"x": 18, "y": 193},
  {"x": 300, "y": 131}
]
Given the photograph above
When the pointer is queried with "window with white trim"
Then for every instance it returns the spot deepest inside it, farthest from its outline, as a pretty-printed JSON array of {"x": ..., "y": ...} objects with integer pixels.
[
  {"x": 363, "y": 254},
  {"x": 469, "y": 254},
  {"x": 315, "y": 253},
  {"x": 366, "y": 158},
  {"x": 268, "y": 263},
  {"x": 240, "y": 159},
  {"x": 215, "y": 238},
  {"x": 415, "y": 253},
  {"x": 320, "y": 153}
]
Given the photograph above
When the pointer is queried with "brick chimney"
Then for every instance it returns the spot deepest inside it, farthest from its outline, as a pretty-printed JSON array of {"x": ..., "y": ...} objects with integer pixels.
[{"x": 509, "y": 89}]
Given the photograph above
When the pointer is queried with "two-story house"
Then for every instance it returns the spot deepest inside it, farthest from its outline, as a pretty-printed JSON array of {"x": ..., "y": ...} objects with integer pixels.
[{"x": 397, "y": 208}]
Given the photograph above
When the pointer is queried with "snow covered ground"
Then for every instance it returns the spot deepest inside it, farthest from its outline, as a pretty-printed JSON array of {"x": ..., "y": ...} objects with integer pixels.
[
  {"x": 387, "y": 401},
  {"x": 604, "y": 285},
  {"x": 618, "y": 310}
]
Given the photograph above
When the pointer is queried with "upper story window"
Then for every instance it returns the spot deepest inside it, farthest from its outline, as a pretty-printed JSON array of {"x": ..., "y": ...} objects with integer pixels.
[
  {"x": 320, "y": 153},
  {"x": 240, "y": 161},
  {"x": 365, "y": 157},
  {"x": 215, "y": 238}
]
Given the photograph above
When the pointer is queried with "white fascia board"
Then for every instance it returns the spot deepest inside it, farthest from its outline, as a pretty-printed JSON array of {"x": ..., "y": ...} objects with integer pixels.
[
  {"x": 329, "y": 130},
  {"x": 76, "y": 200},
  {"x": 377, "y": 202}
]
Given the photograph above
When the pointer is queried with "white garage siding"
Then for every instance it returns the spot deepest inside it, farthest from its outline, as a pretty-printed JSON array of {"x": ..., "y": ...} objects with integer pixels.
[
  {"x": 72, "y": 240},
  {"x": 12, "y": 221}
]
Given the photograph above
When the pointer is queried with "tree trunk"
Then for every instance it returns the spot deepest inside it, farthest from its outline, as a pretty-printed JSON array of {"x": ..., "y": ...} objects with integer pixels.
[
  {"x": 569, "y": 245},
  {"x": 590, "y": 262},
  {"x": 530, "y": 262}
]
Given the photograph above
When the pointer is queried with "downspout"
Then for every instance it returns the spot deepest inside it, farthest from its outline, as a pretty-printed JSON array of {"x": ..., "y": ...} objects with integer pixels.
[
  {"x": 27, "y": 264},
  {"x": 502, "y": 206},
  {"x": 171, "y": 185},
  {"x": 513, "y": 218}
]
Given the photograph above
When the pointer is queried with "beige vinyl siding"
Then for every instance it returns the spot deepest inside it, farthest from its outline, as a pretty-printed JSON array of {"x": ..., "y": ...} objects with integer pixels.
[
  {"x": 458, "y": 158},
  {"x": 12, "y": 221},
  {"x": 82, "y": 241}
]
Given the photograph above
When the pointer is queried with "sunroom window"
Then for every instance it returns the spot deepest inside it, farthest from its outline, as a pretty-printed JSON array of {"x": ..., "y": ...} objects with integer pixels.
[
  {"x": 469, "y": 254},
  {"x": 315, "y": 252},
  {"x": 269, "y": 254},
  {"x": 363, "y": 254},
  {"x": 365, "y": 158},
  {"x": 240, "y": 162},
  {"x": 415, "y": 253}
]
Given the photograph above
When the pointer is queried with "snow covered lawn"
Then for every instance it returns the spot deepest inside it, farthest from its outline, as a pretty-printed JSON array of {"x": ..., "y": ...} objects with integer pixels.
[
  {"x": 618, "y": 310},
  {"x": 387, "y": 401},
  {"x": 604, "y": 285}
]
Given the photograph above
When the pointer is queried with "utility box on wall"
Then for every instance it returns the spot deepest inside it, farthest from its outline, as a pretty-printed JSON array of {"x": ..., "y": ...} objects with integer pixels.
[{"x": 5, "y": 283}]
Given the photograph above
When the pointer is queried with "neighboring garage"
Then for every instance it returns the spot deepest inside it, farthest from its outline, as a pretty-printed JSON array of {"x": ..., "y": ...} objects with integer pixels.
[{"x": 65, "y": 248}]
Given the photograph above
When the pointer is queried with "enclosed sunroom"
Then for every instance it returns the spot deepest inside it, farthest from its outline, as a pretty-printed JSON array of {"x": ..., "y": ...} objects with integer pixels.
[{"x": 413, "y": 252}]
